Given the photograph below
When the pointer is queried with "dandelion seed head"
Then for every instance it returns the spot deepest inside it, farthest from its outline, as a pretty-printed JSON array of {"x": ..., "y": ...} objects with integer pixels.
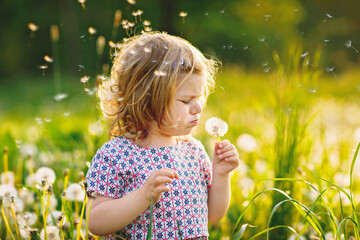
[
  {"x": 7, "y": 178},
  {"x": 52, "y": 232},
  {"x": 131, "y": 24},
  {"x": 45, "y": 173},
  {"x": 96, "y": 128},
  {"x": 6, "y": 191},
  {"x": 43, "y": 67},
  {"x": 139, "y": 12},
  {"x": 216, "y": 127},
  {"x": 246, "y": 143},
  {"x": 26, "y": 219},
  {"x": 75, "y": 192}
]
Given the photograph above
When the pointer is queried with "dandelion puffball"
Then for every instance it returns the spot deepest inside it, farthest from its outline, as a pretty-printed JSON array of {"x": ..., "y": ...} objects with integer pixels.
[
  {"x": 216, "y": 127},
  {"x": 47, "y": 173},
  {"x": 246, "y": 143},
  {"x": 75, "y": 192}
]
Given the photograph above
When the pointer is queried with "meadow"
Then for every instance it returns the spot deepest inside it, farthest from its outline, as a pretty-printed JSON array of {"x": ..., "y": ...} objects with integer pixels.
[{"x": 296, "y": 128}]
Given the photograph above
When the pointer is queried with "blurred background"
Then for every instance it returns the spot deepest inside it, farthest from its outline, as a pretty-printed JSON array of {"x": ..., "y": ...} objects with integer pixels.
[{"x": 289, "y": 87}]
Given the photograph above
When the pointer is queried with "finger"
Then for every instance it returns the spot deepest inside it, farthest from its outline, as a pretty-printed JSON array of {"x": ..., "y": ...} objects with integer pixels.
[
  {"x": 161, "y": 188},
  {"x": 168, "y": 172},
  {"x": 228, "y": 154},
  {"x": 226, "y": 148},
  {"x": 223, "y": 143},
  {"x": 161, "y": 180}
]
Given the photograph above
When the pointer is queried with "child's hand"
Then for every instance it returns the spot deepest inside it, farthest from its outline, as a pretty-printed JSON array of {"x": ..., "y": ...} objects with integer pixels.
[
  {"x": 225, "y": 158},
  {"x": 155, "y": 184}
]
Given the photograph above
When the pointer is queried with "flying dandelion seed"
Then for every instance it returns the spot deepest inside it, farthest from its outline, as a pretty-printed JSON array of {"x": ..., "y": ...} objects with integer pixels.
[
  {"x": 348, "y": 44},
  {"x": 304, "y": 54},
  {"x": 132, "y": 2},
  {"x": 331, "y": 69},
  {"x": 146, "y": 23},
  {"x": 216, "y": 127},
  {"x": 159, "y": 73},
  {"x": 84, "y": 79},
  {"x": 139, "y": 13},
  {"x": 92, "y": 30},
  {"x": 33, "y": 27},
  {"x": 296, "y": 10},
  {"x": 267, "y": 69},
  {"x": 206, "y": 14},
  {"x": 267, "y": 17},
  {"x": 147, "y": 50},
  {"x": 81, "y": 67},
  {"x": 246, "y": 47},
  {"x": 60, "y": 96},
  {"x": 43, "y": 67},
  {"x": 48, "y": 59},
  {"x": 328, "y": 16},
  {"x": 183, "y": 15},
  {"x": 82, "y": 2},
  {"x": 222, "y": 11},
  {"x": 66, "y": 114}
]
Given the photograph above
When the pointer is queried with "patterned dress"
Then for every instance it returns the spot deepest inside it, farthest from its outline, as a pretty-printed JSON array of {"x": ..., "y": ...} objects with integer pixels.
[{"x": 120, "y": 167}]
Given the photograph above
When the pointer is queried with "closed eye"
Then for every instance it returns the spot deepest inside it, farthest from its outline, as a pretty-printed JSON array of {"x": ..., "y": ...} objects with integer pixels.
[{"x": 185, "y": 102}]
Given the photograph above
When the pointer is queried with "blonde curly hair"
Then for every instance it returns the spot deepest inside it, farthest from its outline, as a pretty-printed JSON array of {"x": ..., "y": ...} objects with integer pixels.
[{"x": 144, "y": 79}]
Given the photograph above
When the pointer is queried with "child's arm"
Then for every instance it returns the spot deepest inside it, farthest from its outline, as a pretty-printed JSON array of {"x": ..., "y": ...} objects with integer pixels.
[
  {"x": 108, "y": 215},
  {"x": 225, "y": 159}
]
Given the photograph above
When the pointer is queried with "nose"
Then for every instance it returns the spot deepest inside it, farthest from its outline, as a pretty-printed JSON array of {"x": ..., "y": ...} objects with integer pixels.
[{"x": 196, "y": 107}]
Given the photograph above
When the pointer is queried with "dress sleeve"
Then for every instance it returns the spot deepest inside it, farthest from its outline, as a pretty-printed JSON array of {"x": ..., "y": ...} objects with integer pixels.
[{"x": 103, "y": 177}]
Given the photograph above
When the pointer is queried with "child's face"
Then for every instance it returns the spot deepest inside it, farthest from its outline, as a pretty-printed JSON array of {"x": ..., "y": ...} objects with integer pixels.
[{"x": 187, "y": 108}]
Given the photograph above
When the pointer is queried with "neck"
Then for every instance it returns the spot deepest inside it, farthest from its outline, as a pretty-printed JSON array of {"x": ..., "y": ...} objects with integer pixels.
[{"x": 156, "y": 141}]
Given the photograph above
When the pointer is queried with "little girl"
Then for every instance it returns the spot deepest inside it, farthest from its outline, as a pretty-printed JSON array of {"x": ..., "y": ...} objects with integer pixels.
[{"x": 158, "y": 86}]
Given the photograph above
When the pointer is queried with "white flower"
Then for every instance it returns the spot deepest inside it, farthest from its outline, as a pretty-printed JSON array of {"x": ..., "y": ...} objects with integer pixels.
[
  {"x": 216, "y": 127},
  {"x": 60, "y": 96},
  {"x": 52, "y": 233},
  {"x": 293, "y": 237},
  {"x": 26, "y": 196},
  {"x": 8, "y": 178},
  {"x": 31, "y": 180},
  {"x": 26, "y": 219},
  {"x": 96, "y": 128},
  {"x": 329, "y": 236},
  {"x": 75, "y": 192},
  {"x": 19, "y": 205},
  {"x": 55, "y": 215},
  {"x": 24, "y": 233},
  {"x": 27, "y": 149},
  {"x": 47, "y": 173},
  {"x": 246, "y": 143},
  {"x": 6, "y": 191}
]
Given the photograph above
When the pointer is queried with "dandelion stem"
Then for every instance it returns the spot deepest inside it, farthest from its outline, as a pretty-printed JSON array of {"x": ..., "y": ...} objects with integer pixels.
[
  {"x": 87, "y": 218},
  {"x": 81, "y": 216},
  {"x": 218, "y": 138},
  {"x": 44, "y": 212},
  {"x": 6, "y": 151},
  {"x": 5, "y": 220},
  {"x": 12, "y": 207}
]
